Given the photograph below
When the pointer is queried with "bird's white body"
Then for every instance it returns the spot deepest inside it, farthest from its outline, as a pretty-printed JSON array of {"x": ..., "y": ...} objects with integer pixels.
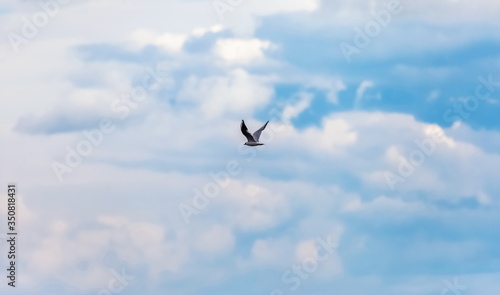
[{"x": 253, "y": 143}]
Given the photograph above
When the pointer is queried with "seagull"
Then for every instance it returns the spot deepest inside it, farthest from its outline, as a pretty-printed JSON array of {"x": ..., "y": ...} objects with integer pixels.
[{"x": 252, "y": 140}]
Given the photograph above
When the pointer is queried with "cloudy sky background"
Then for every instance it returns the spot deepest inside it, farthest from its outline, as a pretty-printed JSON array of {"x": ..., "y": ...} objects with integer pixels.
[{"x": 337, "y": 129}]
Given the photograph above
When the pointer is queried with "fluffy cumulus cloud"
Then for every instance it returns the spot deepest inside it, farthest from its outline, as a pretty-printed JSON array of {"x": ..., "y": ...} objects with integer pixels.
[
  {"x": 168, "y": 41},
  {"x": 377, "y": 176},
  {"x": 236, "y": 92},
  {"x": 241, "y": 51}
]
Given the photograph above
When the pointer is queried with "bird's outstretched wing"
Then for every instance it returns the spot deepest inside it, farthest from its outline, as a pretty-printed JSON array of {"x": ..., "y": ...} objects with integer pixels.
[
  {"x": 257, "y": 133},
  {"x": 245, "y": 132}
]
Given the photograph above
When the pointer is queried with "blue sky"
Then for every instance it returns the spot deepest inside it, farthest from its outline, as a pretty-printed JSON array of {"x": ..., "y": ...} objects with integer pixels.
[{"x": 120, "y": 125}]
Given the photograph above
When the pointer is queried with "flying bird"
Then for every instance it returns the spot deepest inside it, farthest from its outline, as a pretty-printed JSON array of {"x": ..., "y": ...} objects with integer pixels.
[{"x": 252, "y": 140}]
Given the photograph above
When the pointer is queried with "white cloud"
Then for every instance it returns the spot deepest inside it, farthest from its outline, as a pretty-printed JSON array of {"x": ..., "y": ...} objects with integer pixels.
[
  {"x": 304, "y": 250},
  {"x": 241, "y": 51},
  {"x": 169, "y": 41},
  {"x": 258, "y": 211},
  {"x": 332, "y": 86},
  {"x": 384, "y": 204},
  {"x": 271, "y": 252},
  {"x": 244, "y": 19},
  {"x": 261, "y": 7},
  {"x": 360, "y": 92},
  {"x": 200, "y": 31},
  {"x": 215, "y": 240},
  {"x": 335, "y": 135},
  {"x": 238, "y": 92},
  {"x": 294, "y": 110},
  {"x": 428, "y": 11},
  {"x": 251, "y": 203},
  {"x": 153, "y": 161}
]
